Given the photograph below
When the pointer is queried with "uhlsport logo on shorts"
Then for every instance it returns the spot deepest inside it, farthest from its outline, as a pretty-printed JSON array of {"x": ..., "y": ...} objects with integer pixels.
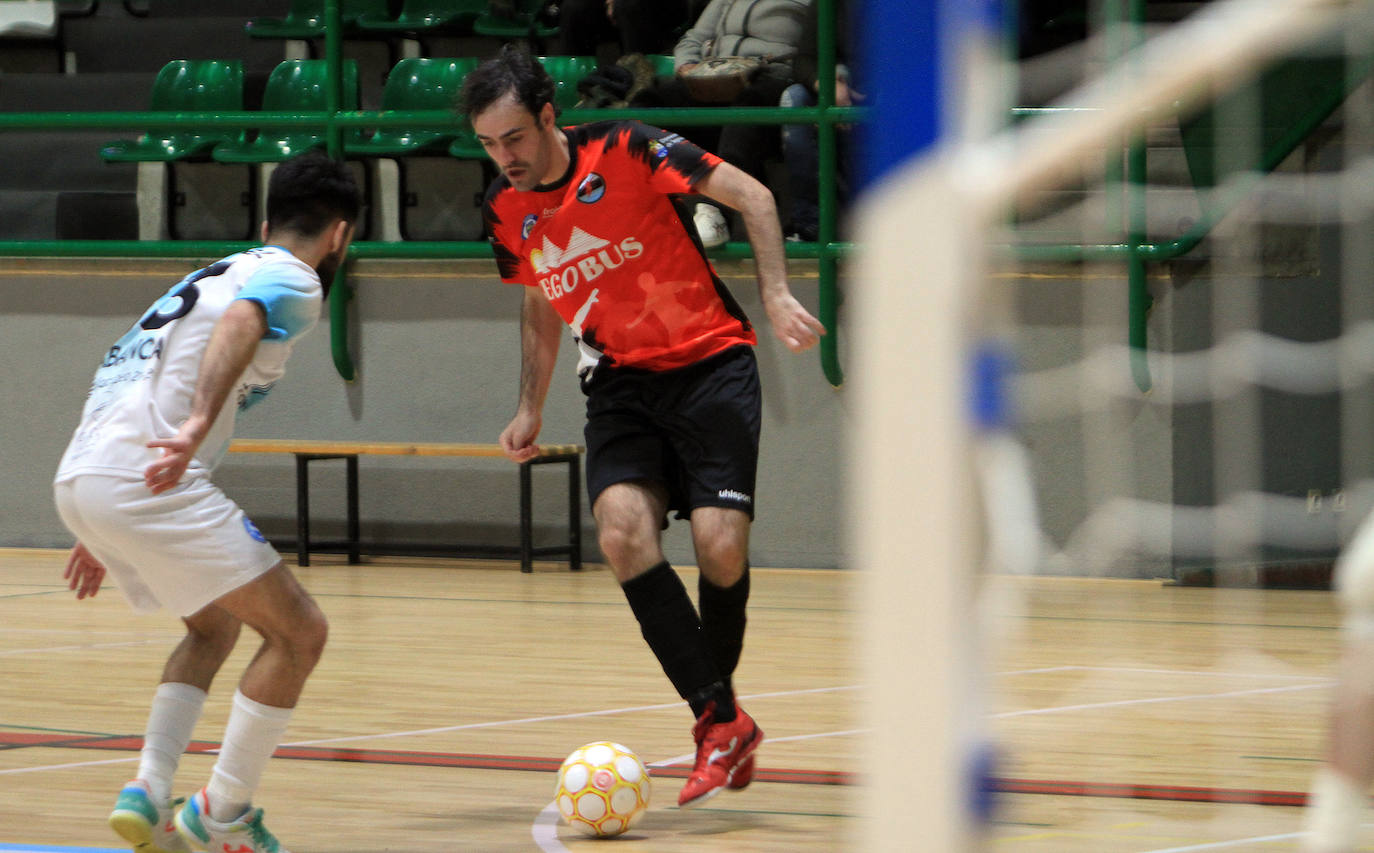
[
  {"x": 253, "y": 529},
  {"x": 732, "y": 495}
]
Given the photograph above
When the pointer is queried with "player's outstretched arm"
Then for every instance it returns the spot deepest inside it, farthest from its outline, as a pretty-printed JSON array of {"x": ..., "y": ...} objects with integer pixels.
[
  {"x": 792, "y": 324},
  {"x": 232, "y": 345},
  {"x": 539, "y": 329},
  {"x": 84, "y": 572}
]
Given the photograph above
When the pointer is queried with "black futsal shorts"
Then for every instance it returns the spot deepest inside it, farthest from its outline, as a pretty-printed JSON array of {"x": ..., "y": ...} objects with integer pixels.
[{"x": 694, "y": 429}]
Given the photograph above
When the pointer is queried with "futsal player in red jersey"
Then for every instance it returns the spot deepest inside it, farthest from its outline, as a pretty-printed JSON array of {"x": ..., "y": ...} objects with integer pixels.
[{"x": 583, "y": 217}]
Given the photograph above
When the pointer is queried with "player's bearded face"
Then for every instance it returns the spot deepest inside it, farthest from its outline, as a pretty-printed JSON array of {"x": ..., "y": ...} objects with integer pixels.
[
  {"x": 526, "y": 160},
  {"x": 328, "y": 267},
  {"x": 329, "y": 264},
  {"x": 517, "y": 142}
]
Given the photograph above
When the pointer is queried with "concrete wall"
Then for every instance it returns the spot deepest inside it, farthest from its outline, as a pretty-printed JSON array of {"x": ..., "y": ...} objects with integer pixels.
[{"x": 437, "y": 349}]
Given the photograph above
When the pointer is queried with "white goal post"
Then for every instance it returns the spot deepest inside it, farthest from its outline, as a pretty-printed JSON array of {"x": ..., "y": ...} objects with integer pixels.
[{"x": 919, "y": 312}]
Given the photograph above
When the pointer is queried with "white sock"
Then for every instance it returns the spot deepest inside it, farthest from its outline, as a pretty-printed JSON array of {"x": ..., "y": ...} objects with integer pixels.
[
  {"x": 176, "y": 708},
  {"x": 1335, "y": 809},
  {"x": 250, "y": 738}
]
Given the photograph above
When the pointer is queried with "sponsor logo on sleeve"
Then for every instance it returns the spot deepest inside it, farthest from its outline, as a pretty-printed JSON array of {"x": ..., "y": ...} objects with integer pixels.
[{"x": 592, "y": 188}]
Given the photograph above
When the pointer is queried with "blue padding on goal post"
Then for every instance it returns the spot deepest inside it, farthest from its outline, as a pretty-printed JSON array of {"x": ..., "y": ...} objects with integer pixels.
[{"x": 907, "y": 62}]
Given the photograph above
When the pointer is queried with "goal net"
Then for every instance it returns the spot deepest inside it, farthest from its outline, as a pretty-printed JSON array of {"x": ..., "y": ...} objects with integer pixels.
[{"x": 1127, "y": 332}]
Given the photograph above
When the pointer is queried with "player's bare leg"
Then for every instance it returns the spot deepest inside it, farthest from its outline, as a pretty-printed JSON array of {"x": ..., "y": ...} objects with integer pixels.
[
  {"x": 1340, "y": 788},
  {"x": 629, "y": 527},
  {"x": 1339, "y": 791},
  {"x": 293, "y": 631},
  {"x": 211, "y": 635},
  {"x": 721, "y": 538},
  {"x": 143, "y": 813}
]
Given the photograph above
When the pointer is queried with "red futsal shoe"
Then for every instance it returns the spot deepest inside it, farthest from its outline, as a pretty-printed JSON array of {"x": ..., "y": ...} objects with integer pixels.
[{"x": 725, "y": 756}]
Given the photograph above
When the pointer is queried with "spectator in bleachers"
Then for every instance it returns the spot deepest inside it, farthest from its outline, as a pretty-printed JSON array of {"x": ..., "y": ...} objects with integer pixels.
[
  {"x": 738, "y": 53},
  {"x": 635, "y": 26},
  {"x": 800, "y": 142}
]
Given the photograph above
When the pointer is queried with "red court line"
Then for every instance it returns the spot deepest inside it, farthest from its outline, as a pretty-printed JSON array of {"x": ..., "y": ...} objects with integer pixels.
[
  {"x": 402, "y": 757},
  {"x": 1180, "y": 793}
]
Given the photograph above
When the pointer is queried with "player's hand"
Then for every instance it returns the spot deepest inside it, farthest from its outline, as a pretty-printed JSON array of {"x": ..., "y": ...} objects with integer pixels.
[
  {"x": 517, "y": 439},
  {"x": 793, "y": 324},
  {"x": 84, "y": 572},
  {"x": 177, "y": 453}
]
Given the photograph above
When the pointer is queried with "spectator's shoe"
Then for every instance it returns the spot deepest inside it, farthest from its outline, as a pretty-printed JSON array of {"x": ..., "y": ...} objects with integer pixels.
[
  {"x": 145, "y": 824},
  {"x": 723, "y": 750},
  {"x": 802, "y": 233},
  {"x": 244, "y": 835},
  {"x": 711, "y": 225}
]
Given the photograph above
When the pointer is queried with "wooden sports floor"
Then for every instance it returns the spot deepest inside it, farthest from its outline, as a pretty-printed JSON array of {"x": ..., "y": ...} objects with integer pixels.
[{"x": 1131, "y": 716}]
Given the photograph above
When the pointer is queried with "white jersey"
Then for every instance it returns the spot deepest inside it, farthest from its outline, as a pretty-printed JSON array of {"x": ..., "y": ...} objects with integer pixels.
[{"x": 145, "y": 383}]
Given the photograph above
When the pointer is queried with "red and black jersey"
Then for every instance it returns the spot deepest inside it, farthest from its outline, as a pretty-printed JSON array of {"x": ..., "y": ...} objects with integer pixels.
[{"x": 612, "y": 253}]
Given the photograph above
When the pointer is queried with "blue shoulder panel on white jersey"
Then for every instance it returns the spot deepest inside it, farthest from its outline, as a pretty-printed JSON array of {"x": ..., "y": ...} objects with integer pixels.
[{"x": 290, "y": 297}]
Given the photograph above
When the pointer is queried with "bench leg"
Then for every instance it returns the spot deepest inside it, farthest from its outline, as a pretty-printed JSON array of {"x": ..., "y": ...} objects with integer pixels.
[
  {"x": 574, "y": 514},
  {"x": 526, "y": 520},
  {"x": 302, "y": 510},
  {"x": 354, "y": 557}
]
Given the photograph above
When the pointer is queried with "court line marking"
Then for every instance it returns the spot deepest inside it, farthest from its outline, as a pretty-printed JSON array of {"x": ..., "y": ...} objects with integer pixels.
[
  {"x": 83, "y": 647},
  {"x": 662, "y": 706},
  {"x": 1151, "y": 671},
  {"x": 1158, "y": 700},
  {"x": 466, "y": 726},
  {"x": 553, "y": 717},
  {"x": 683, "y": 759},
  {"x": 17, "y": 770},
  {"x": 1219, "y": 845},
  {"x": 5, "y": 629},
  {"x": 545, "y": 829}
]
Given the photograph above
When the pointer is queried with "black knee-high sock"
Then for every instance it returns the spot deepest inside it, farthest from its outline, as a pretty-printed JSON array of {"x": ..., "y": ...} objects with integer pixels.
[
  {"x": 723, "y": 620},
  {"x": 672, "y": 629}
]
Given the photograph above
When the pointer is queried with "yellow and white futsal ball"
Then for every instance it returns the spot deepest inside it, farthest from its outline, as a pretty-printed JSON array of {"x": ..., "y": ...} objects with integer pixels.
[{"x": 603, "y": 788}]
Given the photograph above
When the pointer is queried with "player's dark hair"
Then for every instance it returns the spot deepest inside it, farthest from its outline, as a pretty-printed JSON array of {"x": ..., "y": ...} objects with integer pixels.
[
  {"x": 308, "y": 192},
  {"x": 512, "y": 70}
]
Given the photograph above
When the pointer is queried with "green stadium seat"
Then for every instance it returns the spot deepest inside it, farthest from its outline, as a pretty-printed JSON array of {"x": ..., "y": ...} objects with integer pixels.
[
  {"x": 429, "y": 84},
  {"x": 567, "y": 72},
  {"x": 416, "y": 84},
  {"x": 662, "y": 64},
  {"x": 182, "y": 86},
  {"x": 305, "y": 19},
  {"x": 28, "y": 19},
  {"x": 295, "y": 85},
  {"x": 513, "y": 19},
  {"x": 420, "y": 17}
]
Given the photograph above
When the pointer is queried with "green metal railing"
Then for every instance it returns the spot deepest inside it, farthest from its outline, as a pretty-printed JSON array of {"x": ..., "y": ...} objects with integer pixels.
[
  {"x": 1125, "y": 32},
  {"x": 335, "y": 121}
]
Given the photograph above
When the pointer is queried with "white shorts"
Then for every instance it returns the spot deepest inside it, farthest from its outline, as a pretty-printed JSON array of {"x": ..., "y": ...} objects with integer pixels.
[{"x": 181, "y": 549}]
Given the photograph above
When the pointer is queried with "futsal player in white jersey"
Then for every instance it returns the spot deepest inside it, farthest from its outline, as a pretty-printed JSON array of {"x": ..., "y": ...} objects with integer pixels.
[
  {"x": 1339, "y": 798},
  {"x": 134, "y": 488}
]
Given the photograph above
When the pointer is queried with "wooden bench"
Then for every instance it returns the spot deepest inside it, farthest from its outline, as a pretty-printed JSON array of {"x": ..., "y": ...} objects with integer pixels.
[{"x": 307, "y": 451}]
